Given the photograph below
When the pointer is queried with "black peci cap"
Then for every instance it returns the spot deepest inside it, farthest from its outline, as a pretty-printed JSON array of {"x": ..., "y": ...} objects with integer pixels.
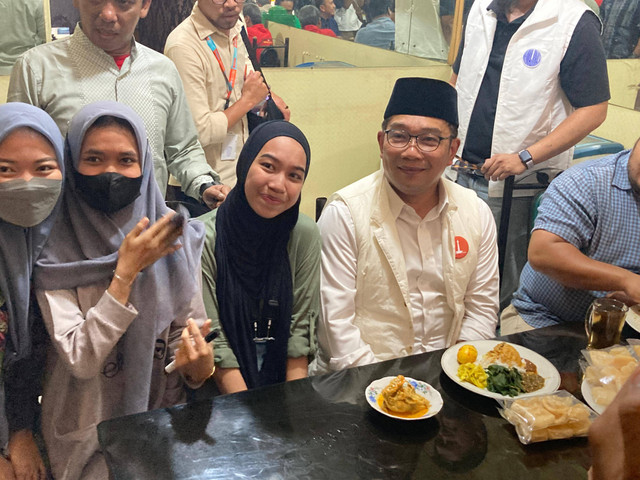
[{"x": 425, "y": 97}]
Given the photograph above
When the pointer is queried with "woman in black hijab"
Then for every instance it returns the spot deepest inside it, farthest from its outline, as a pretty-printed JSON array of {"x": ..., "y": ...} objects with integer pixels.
[{"x": 261, "y": 265}]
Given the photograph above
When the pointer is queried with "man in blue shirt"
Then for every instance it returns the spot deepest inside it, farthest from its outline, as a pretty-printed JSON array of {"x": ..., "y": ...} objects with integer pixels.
[
  {"x": 585, "y": 244},
  {"x": 327, "y": 11},
  {"x": 381, "y": 31}
]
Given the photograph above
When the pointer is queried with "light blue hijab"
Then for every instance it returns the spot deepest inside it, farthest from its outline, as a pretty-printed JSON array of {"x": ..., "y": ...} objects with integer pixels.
[
  {"x": 19, "y": 246},
  {"x": 83, "y": 250}
]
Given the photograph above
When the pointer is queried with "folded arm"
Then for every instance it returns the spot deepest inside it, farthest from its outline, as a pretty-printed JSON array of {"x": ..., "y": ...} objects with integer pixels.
[{"x": 554, "y": 256}]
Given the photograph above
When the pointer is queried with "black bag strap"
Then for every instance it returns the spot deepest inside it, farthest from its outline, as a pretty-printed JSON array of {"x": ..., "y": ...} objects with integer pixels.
[{"x": 252, "y": 55}]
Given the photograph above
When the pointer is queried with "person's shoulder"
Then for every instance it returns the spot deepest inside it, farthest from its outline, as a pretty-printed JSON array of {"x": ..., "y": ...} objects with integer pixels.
[
  {"x": 591, "y": 171},
  {"x": 46, "y": 51},
  {"x": 152, "y": 55},
  {"x": 306, "y": 228},
  {"x": 180, "y": 34},
  {"x": 305, "y": 236},
  {"x": 162, "y": 69}
]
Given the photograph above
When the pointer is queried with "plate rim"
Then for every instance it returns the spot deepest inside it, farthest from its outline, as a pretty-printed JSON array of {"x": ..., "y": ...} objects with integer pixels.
[
  {"x": 432, "y": 411},
  {"x": 585, "y": 389},
  {"x": 523, "y": 351},
  {"x": 636, "y": 315}
]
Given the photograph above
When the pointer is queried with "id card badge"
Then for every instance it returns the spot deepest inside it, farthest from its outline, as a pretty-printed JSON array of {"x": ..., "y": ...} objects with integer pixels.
[{"x": 229, "y": 147}]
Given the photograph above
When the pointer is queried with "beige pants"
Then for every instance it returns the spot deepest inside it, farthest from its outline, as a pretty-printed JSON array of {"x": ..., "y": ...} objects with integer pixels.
[{"x": 511, "y": 322}]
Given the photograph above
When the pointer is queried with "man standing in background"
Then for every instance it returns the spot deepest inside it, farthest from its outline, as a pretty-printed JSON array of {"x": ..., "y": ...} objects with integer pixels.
[
  {"x": 327, "y": 11},
  {"x": 348, "y": 13},
  {"x": 532, "y": 82},
  {"x": 380, "y": 31},
  {"x": 219, "y": 80}
]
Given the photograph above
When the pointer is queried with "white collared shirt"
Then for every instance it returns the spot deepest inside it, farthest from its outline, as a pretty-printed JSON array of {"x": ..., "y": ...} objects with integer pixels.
[{"x": 421, "y": 242}]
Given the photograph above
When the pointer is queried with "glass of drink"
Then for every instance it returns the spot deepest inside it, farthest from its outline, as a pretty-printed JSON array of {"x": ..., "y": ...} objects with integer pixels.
[{"x": 604, "y": 322}]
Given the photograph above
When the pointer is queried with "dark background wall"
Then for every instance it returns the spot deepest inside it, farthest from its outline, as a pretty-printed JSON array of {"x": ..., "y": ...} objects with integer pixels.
[{"x": 164, "y": 16}]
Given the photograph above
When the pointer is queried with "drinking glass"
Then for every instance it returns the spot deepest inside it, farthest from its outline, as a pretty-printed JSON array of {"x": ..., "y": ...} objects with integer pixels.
[{"x": 604, "y": 322}]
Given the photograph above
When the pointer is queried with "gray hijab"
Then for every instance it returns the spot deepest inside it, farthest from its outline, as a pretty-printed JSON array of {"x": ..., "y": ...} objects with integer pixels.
[
  {"x": 83, "y": 249},
  {"x": 20, "y": 247}
]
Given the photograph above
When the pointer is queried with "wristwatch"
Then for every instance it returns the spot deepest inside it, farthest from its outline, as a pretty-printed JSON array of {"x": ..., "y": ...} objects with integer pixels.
[
  {"x": 526, "y": 159},
  {"x": 205, "y": 186}
]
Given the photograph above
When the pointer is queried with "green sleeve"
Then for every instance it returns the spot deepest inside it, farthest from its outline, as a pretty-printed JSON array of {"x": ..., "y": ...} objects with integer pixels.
[
  {"x": 304, "y": 255},
  {"x": 223, "y": 354}
]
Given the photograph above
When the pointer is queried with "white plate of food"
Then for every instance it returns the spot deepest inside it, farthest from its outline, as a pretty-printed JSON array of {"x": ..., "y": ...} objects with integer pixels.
[
  {"x": 406, "y": 399},
  {"x": 633, "y": 317},
  {"x": 585, "y": 388},
  {"x": 507, "y": 355}
]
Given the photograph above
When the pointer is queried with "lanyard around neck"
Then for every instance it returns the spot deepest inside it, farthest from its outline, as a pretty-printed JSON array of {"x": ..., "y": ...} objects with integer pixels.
[{"x": 233, "y": 71}]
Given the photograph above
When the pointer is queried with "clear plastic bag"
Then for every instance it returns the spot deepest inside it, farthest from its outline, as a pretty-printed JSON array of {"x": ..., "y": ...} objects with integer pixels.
[
  {"x": 608, "y": 369},
  {"x": 547, "y": 417}
]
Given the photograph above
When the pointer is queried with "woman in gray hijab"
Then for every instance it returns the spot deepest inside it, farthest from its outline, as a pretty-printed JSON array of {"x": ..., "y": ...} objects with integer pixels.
[
  {"x": 116, "y": 292},
  {"x": 30, "y": 182}
]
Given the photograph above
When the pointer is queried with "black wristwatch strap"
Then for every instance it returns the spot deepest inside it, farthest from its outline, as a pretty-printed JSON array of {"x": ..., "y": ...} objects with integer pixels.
[{"x": 205, "y": 186}]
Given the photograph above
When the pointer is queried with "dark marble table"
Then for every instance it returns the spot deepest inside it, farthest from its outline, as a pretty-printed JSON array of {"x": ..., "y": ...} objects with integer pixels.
[{"x": 323, "y": 428}]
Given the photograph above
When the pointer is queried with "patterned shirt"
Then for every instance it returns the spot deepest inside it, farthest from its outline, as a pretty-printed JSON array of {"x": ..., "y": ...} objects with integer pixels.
[
  {"x": 621, "y": 32},
  {"x": 593, "y": 207}
]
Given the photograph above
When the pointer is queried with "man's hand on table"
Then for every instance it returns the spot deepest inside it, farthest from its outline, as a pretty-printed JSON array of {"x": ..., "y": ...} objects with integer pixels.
[
  {"x": 614, "y": 437},
  {"x": 215, "y": 195}
]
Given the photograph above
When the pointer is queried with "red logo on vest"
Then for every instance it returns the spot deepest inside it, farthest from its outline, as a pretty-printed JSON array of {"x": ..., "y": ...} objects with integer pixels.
[{"x": 462, "y": 247}]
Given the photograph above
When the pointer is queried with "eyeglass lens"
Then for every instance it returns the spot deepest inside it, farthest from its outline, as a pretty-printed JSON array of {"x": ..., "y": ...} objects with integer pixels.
[
  {"x": 400, "y": 138},
  {"x": 222, "y": 2}
]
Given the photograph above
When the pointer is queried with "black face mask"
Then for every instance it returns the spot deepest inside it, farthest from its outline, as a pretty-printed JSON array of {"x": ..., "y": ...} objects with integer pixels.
[{"x": 107, "y": 192}]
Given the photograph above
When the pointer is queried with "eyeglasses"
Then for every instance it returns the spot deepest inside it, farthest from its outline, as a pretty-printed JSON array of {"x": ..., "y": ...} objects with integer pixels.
[
  {"x": 426, "y": 143},
  {"x": 222, "y": 2}
]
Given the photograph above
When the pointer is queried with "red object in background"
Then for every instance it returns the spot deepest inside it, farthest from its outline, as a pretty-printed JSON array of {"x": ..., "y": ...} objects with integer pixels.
[
  {"x": 599, "y": 2},
  {"x": 323, "y": 31},
  {"x": 263, "y": 36}
]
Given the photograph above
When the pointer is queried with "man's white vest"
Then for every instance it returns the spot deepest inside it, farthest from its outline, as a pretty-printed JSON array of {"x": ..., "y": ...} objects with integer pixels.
[
  {"x": 382, "y": 303},
  {"x": 531, "y": 102}
]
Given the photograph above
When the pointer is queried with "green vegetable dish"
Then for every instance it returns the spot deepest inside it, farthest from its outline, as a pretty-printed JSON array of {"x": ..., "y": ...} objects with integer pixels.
[{"x": 505, "y": 381}]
